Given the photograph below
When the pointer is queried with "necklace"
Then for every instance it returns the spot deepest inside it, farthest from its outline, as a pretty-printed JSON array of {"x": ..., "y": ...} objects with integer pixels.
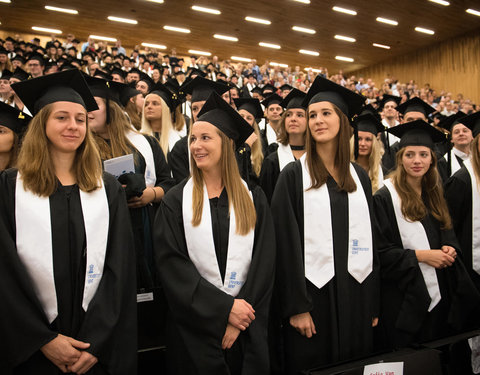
[{"x": 297, "y": 148}]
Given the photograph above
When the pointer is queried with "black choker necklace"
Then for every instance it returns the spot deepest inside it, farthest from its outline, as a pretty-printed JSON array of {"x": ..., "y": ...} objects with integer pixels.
[{"x": 297, "y": 148}]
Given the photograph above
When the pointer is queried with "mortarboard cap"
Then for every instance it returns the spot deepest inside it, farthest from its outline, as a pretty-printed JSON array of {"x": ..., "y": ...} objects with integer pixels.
[
  {"x": 146, "y": 78},
  {"x": 370, "y": 109},
  {"x": 367, "y": 122},
  {"x": 473, "y": 123},
  {"x": 448, "y": 122},
  {"x": 194, "y": 71},
  {"x": 6, "y": 74},
  {"x": 219, "y": 113},
  {"x": 20, "y": 74},
  {"x": 415, "y": 105},
  {"x": 285, "y": 87},
  {"x": 294, "y": 99},
  {"x": 389, "y": 98},
  {"x": 102, "y": 88},
  {"x": 324, "y": 90},
  {"x": 20, "y": 58},
  {"x": 3, "y": 51},
  {"x": 38, "y": 57},
  {"x": 119, "y": 72},
  {"x": 169, "y": 97},
  {"x": 272, "y": 99},
  {"x": 257, "y": 90},
  {"x": 200, "y": 88},
  {"x": 417, "y": 133},
  {"x": 268, "y": 88},
  {"x": 250, "y": 105},
  {"x": 126, "y": 92},
  {"x": 68, "y": 86},
  {"x": 12, "y": 118}
]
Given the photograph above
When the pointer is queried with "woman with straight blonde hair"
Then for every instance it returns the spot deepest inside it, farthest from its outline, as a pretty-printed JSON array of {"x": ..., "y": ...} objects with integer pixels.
[
  {"x": 157, "y": 118},
  {"x": 366, "y": 149},
  {"x": 327, "y": 271},
  {"x": 66, "y": 244},
  {"x": 426, "y": 293},
  {"x": 12, "y": 126},
  {"x": 214, "y": 245}
]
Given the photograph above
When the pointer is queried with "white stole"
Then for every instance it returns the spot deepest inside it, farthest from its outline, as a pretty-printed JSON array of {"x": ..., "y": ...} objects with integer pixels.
[
  {"x": 285, "y": 155},
  {"x": 173, "y": 137},
  {"x": 35, "y": 249},
  {"x": 380, "y": 177},
  {"x": 201, "y": 247},
  {"x": 271, "y": 135},
  {"x": 475, "y": 217},
  {"x": 318, "y": 235},
  {"x": 414, "y": 237},
  {"x": 455, "y": 164},
  {"x": 141, "y": 144}
]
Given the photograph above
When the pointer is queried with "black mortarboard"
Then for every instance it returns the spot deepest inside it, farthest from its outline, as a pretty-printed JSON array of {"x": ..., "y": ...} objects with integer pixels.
[
  {"x": 285, "y": 87},
  {"x": 389, "y": 98},
  {"x": 250, "y": 105},
  {"x": 417, "y": 133},
  {"x": 13, "y": 119},
  {"x": 200, "y": 88},
  {"x": 20, "y": 74},
  {"x": 324, "y": 90},
  {"x": 367, "y": 122},
  {"x": 195, "y": 71},
  {"x": 146, "y": 78},
  {"x": 3, "y": 51},
  {"x": 127, "y": 92},
  {"x": 68, "y": 86},
  {"x": 219, "y": 113},
  {"x": 19, "y": 58},
  {"x": 472, "y": 122},
  {"x": 448, "y": 122},
  {"x": 118, "y": 71},
  {"x": 294, "y": 99},
  {"x": 169, "y": 97},
  {"x": 257, "y": 90},
  {"x": 38, "y": 57},
  {"x": 272, "y": 99},
  {"x": 135, "y": 70},
  {"x": 101, "y": 74},
  {"x": 415, "y": 105},
  {"x": 370, "y": 109},
  {"x": 102, "y": 88},
  {"x": 6, "y": 74},
  {"x": 179, "y": 72},
  {"x": 172, "y": 84},
  {"x": 268, "y": 87},
  {"x": 10, "y": 39}
]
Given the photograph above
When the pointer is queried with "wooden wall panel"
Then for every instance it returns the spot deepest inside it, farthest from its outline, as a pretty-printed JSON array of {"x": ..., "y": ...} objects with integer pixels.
[{"x": 453, "y": 65}]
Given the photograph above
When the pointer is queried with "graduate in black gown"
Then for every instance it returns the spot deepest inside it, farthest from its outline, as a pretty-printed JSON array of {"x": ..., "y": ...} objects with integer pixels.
[
  {"x": 215, "y": 251},
  {"x": 460, "y": 190},
  {"x": 327, "y": 269},
  {"x": 273, "y": 116},
  {"x": 291, "y": 141},
  {"x": 426, "y": 292},
  {"x": 68, "y": 300}
]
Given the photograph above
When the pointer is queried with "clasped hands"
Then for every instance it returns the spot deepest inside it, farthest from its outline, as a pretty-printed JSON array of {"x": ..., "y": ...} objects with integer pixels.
[{"x": 241, "y": 316}]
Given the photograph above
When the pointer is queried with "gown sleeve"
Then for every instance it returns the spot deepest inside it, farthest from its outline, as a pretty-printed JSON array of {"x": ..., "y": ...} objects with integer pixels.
[
  {"x": 178, "y": 160},
  {"x": 269, "y": 175}
]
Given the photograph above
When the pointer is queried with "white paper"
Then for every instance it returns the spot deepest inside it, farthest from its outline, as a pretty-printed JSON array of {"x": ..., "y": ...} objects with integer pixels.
[
  {"x": 144, "y": 297},
  {"x": 120, "y": 165},
  {"x": 386, "y": 368}
]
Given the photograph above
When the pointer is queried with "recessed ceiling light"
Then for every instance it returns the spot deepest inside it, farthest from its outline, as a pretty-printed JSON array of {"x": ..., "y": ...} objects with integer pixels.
[
  {"x": 197, "y": 52},
  {"x": 343, "y": 58},
  {"x": 106, "y": 38},
  {"x": 46, "y": 30},
  {"x": 381, "y": 45},
  {"x": 303, "y": 29},
  {"x": 441, "y": 2},
  {"x": 303, "y": 1},
  {"x": 278, "y": 64},
  {"x": 244, "y": 59},
  {"x": 345, "y": 38},
  {"x": 344, "y": 10},
  {"x": 205, "y": 10},
  {"x": 156, "y": 1},
  {"x": 269, "y": 45},
  {"x": 387, "y": 21},
  {"x": 152, "y": 45},
  {"x": 123, "y": 20},
  {"x": 62, "y": 10},
  {"x": 313, "y": 70},
  {"x": 178, "y": 29},
  {"x": 257, "y": 20},
  {"x": 474, "y": 12},
  {"x": 5, "y": 1},
  {"x": 425, "y": 31},
  {"x": 307, "y": 52},
  {"x": 225, "y": 37}
]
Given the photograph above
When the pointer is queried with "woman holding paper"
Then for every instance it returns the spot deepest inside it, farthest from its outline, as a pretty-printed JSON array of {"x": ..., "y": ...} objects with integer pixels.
[
  {"x": 426, "y": 291},
  {"x": 326, "y": 270},
  {"x": 66, "y": 246}
]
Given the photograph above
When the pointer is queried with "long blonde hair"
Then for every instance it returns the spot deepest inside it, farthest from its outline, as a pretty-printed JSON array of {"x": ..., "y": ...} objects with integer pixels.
[
  {"x": 374, "y": 160},
  {"x": 36, "y": 166},
  {"x": 238, "y": 195},
  {"x": 413, "y": 206},
  {"x": 257, "y": 152},
  {"x": 167, "y": 125}
]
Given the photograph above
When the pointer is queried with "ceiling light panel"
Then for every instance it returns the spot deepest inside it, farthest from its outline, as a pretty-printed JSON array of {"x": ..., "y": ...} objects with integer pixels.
[
  {"x": 344, "y": 10},
  {"x": 61, "y": 10}
]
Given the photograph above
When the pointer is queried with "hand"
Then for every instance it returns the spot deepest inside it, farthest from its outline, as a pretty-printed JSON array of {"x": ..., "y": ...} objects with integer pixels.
[
  {"x": 241, "y": 315},
  {"x": 303, "y": 323},
  {"x": 374, "y": 322},
  {"x": 450, "y": 251},
  {"x": 251, "y": 140},
  {"x": 231, "y": 335},
  {"x": 435, "y": 258},
  {"x": 141, "y": 201},
  {"x": 84, "y": 363},
  {"x": 63, "y": 351}
]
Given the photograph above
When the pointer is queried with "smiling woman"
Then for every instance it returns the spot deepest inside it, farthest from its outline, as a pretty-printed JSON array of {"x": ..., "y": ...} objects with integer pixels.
[{"x": 65, "y": 243}]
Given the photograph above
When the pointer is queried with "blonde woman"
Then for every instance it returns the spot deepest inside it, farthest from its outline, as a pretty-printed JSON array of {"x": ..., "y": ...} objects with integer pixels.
[
  {"x": 214, "y": 246},
  {"x": 13, "y": 123},
  {"x": 157, "y": 117},
  {"x": 366, "y": 149},
  {"x": 68, "y": 301}
]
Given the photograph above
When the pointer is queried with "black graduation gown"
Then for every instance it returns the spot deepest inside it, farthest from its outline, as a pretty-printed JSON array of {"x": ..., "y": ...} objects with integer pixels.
[
  {"x": 404, "y": 316},
  {"x": 389, "y": 157},
  {"x": 343, "y": 309},
  {"x": 269, "y": 174},
  {"x": 458, "y": 192},
  {"x": 109, "y": 324},
  {"x": 444, "y": 169},
  {"x": 198, "y": 310}
]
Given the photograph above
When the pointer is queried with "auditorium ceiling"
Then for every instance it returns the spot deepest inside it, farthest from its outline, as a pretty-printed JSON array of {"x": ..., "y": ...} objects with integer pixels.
[{"x": 318, "y": 16}]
